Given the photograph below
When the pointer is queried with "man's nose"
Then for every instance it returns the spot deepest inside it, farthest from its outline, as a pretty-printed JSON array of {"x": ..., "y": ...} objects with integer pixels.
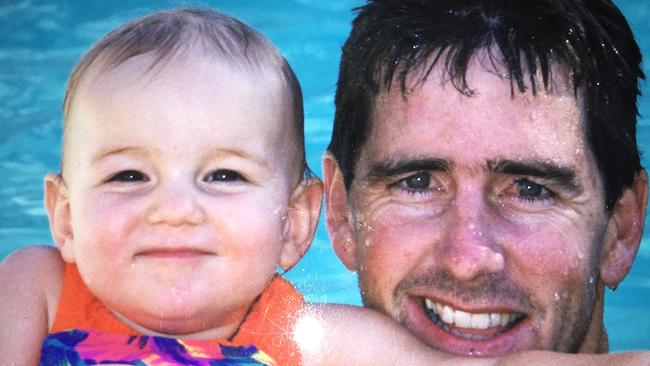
[
  {"x": 469, "y": 248},
  {"x": 176, "y": 204}
]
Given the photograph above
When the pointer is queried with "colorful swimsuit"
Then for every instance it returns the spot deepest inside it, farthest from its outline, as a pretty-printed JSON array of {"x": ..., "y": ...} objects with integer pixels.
[
  {"x": 85, "y": 326},
  {"x": 82, "y": 347}
]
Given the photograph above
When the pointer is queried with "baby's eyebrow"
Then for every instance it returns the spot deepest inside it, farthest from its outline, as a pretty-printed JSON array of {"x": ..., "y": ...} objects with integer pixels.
[
  {"x": 116, "y": 150},
  {"x": 218, "y": 152}
]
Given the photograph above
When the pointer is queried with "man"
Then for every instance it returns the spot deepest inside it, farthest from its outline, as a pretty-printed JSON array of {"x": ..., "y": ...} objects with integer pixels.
[{"x": 483, "y": 176}]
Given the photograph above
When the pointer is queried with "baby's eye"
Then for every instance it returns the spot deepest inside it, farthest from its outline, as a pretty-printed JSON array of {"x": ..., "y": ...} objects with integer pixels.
[
  {"x": 224, "y": 175},
  {"x": 127, "y": 176}
]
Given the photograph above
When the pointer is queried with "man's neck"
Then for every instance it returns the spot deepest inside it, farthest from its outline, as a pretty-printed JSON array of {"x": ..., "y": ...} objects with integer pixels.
[{"x": 596, "y": 340}]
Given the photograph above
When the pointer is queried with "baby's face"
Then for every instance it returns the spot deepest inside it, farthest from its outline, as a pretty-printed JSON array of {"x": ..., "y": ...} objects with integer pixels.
[{"x": 178, "y": 181}]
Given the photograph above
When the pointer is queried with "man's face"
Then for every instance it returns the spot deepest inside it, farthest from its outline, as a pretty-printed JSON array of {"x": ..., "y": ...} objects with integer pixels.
[{"x": 478, "y": 222}]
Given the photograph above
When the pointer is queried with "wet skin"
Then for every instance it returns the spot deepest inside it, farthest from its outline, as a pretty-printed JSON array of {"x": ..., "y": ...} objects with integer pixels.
[
  {"x": 477, "y": 222},
  {"x": 163, "y": 208}
]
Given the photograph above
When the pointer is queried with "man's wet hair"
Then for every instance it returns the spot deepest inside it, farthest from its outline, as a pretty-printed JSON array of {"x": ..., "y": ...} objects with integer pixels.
[
  {"x": 165, "y": 34},
  {"x": 590, "y": 41}
]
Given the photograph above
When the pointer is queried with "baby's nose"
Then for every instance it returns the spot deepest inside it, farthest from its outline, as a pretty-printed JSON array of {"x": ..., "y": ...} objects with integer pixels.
[{"x": 176, "y": 204}]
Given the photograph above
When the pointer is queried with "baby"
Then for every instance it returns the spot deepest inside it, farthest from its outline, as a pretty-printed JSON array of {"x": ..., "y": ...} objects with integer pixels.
[{"x": 183, "y": 188}]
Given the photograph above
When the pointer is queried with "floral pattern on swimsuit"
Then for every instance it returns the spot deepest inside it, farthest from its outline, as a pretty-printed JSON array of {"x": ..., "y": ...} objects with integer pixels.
[{"x": 77, "y": 347}]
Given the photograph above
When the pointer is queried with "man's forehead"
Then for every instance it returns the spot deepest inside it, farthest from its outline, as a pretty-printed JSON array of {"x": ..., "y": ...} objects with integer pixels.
[{"x": 494, "y": 123}]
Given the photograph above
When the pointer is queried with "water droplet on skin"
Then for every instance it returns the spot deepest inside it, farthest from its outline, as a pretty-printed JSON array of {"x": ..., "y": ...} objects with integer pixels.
[
  {"x": 591, "y": 280},
  {"x": 368, "y": 242},
  {"x": 556, "y": 296}
]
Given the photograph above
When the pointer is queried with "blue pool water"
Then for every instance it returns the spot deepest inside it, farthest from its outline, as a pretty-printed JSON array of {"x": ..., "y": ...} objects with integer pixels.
[{"x": 41, "y": 40}]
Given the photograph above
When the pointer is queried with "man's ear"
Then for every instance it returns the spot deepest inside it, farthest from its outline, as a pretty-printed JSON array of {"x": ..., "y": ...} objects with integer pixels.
[
  {"x": 57, "y": 205},
  {"x": 301, "y": 221},
  {"x": 337, "y": 213},
  {"x": 624, "y": 231}
]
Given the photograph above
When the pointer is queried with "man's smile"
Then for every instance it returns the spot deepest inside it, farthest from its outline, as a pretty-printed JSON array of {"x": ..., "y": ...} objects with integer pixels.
[
  {"x": 475, "y": 326},
  {"x": 492, "y": 330}
]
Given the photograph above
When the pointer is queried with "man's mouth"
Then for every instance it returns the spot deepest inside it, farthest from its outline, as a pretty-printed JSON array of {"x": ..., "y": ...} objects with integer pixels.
[{"x": 474, "y": 326}]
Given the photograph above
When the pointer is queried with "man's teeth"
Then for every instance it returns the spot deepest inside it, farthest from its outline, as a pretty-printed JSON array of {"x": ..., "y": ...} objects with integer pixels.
[{"x": 463, "y": 319}]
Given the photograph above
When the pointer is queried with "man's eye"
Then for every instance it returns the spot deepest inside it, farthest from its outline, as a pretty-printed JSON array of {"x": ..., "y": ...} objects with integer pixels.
[
  {"x": 530, "y": 190},
  {"x": 224, "y": 175},
  {"x": 419, "y": 181},
  {"x": 128, "y": 176}
]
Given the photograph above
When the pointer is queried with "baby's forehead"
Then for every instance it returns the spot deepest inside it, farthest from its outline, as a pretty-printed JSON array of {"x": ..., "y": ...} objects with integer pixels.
[
  {"x": 196, "y": 58},
  {"x": 200, "y": 81},
  {"x": 153, "y": 51},
  {"x": 239, "y": 49},
  {"x": 185, "y": 75}
]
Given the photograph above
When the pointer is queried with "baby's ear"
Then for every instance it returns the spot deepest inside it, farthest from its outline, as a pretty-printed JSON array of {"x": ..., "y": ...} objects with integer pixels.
[
  {"x": 624, "y": 231},
  {"x": 301, "y": 221},
  {"x": 57, "y": 205}
]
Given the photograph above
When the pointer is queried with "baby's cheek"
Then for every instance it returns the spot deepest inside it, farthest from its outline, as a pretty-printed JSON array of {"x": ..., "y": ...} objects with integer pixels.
[
  {"x": 252, "y": 231},
  {"x": 112, "y": 213}
]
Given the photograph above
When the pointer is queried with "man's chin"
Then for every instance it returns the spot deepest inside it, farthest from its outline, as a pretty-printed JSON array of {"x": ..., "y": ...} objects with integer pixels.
[{"x": 479, "y": 334}]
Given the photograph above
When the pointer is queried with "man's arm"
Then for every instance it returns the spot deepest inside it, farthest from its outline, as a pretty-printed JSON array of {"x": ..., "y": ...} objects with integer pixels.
[
  {"x": 331, "y": 334},
  {"x": 30, "y": 282},
  {"x": 581, "y": 359}
]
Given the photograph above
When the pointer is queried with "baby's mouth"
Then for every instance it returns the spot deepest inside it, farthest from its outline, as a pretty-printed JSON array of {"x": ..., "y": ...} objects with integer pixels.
[{"x": 474, "y": 326}]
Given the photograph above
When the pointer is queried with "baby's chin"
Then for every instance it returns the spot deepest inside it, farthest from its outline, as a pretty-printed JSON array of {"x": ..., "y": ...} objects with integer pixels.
[{"x": 184, "y": 324}]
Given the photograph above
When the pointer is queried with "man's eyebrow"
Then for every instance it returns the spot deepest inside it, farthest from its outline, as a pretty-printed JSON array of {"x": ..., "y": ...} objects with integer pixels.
[
  {"x": 564, "y": 176},
  {"x": 385, "y": 169}
]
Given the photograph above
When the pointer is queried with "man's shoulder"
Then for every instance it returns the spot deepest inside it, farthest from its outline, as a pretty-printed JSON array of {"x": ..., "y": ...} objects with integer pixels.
[
  {"x": 30, "y": 281},
  {"x": 30, "y": 261},
  {"x": 32, "y": 273}
]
